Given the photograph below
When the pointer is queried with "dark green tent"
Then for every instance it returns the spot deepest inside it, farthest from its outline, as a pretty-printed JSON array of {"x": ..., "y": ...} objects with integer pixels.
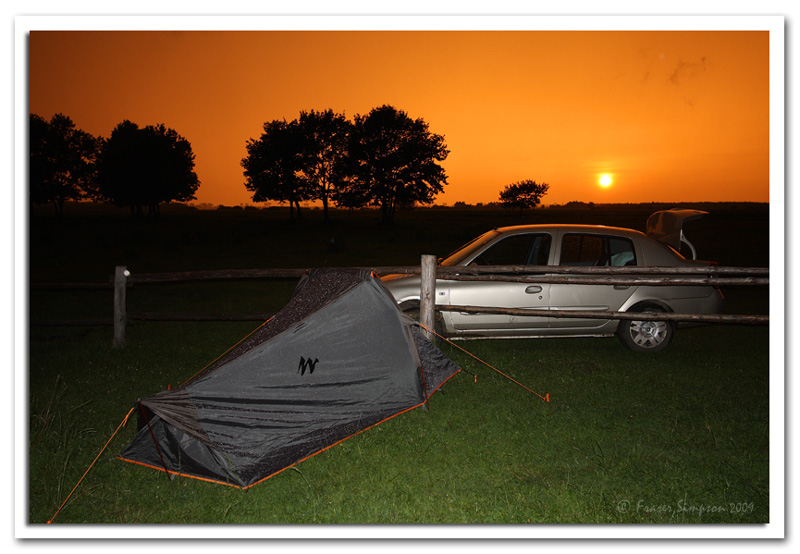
[{"x": 339, "y": 358}]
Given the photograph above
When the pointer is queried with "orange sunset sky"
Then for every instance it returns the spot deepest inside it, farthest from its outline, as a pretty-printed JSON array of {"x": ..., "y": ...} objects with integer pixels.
[{"x": 671, "y": 116}]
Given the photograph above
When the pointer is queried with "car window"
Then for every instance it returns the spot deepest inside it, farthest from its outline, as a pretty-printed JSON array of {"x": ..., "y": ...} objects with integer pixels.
[
  {"x": 466, "y": 251},
  {"x": 526, "y": 249},
  {"x": 621, "y": 252},
  {"x": 540, "y": 250},
  {"x": 596, "y": 250}
]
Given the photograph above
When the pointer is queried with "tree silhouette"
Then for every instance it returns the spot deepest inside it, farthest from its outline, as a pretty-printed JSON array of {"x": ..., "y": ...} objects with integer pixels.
[
  {"x": 146, "y": 166},
  {"x": 523, "y": 194},
  {"x": 393, "y": 162},
  {"x": 273, "y": 168},
  {"x": 323, "y": 153},
  {"x": 62, "y": 161},
  {"x": 382, "y": 159}
]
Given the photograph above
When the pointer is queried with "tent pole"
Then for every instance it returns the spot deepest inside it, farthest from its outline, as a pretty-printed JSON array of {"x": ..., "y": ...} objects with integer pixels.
[{"x": 155, "y": 442}]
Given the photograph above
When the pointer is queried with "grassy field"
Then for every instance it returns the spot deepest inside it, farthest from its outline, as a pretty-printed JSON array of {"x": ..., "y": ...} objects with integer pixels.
[{"x": 680, "y": 436}]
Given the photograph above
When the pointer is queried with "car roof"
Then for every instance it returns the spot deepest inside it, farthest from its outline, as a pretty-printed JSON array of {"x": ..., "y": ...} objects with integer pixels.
[{"x": 566, "y": 227}]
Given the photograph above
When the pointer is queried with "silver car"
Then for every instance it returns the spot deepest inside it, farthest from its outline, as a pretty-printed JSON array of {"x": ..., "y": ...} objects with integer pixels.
[{"x": 567, "y": 245}]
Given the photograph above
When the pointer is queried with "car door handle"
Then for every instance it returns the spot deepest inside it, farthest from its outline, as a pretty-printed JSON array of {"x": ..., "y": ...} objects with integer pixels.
[
  {"x": 533, "y": 289},
  {"x": 621, "y": 287}
]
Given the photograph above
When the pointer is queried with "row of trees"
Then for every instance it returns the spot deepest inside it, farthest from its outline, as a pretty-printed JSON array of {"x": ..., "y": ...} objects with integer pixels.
[
  {"x": 384, "y": 159},
  {"x": 136, "y": 167}
]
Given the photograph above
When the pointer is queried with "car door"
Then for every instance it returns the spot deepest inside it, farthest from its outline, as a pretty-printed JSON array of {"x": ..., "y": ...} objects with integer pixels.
[
  {"x": 591, "y": 249},
  {"x": 516, "y": 249}
]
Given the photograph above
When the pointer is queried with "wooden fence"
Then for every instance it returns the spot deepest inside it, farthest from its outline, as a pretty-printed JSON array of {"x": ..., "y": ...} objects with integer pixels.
[{"x": 429, "y": 271}]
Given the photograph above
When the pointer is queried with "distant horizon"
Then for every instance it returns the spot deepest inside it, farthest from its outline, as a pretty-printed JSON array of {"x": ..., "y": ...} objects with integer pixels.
[
  {"x": 317, "y": 206},
  {"x": 494, "y": 204}
]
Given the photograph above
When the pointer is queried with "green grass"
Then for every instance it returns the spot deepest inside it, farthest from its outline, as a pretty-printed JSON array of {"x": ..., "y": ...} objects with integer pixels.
[
  {"x": 680, "y": 436},
  {"x": 690, "y": 425}
]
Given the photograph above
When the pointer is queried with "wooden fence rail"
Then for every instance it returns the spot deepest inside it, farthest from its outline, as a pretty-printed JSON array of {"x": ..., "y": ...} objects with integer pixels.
[
  {"x": 441, "y": 271},
  {"x": 630, "y": 316},
  {"x": 631, "y": 276},
  {"x": 605, "y": 270},
  {"x": 644, "y": 280}
]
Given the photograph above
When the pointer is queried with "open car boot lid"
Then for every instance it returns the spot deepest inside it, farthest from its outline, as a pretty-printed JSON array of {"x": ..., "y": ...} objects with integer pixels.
[{"x": 667, "y": 227}]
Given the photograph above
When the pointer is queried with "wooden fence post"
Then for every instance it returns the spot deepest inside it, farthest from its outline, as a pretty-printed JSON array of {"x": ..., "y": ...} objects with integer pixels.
[
  {"x": 427, "y": 298},
  {"x": 120, "y": 310}
]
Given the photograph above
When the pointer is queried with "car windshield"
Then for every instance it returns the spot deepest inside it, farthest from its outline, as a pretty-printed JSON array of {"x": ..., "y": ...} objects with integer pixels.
[{"x": 466, "y": 251}]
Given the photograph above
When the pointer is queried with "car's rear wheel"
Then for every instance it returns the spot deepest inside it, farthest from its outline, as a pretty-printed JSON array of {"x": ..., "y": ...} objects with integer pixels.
[{"x": 646, "y": 336}]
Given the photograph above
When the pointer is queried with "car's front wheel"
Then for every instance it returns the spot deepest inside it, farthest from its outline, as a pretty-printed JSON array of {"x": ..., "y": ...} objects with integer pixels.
[{"x": 646, "y": 336}]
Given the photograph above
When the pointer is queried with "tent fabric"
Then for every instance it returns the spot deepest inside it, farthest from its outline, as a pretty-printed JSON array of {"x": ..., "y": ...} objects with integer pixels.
[{"x": 338, "y": 359}]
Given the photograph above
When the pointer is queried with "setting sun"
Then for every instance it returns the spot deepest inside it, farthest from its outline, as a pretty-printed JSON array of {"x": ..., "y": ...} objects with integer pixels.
[{"x": 605, "y": 180}]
